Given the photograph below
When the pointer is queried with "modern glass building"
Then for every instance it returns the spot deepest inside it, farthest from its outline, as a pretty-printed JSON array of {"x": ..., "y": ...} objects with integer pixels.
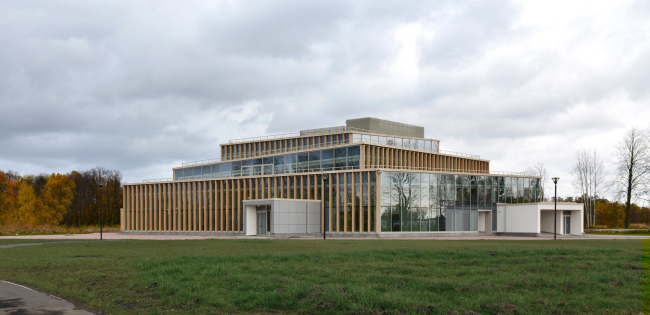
[{"x": 369, "y": 177}]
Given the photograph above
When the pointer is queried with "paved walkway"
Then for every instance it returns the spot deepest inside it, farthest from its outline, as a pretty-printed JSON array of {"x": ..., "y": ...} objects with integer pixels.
[
  {"x": 118, "y": 236},
  {"x": 17, "y": 299}
]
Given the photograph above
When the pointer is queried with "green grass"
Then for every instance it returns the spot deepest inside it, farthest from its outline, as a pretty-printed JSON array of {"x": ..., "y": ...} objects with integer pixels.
[
  {"x": 19, "y": 241},
  {"x": 646, "y": 276},
  {"x": 338, "y": 276}
]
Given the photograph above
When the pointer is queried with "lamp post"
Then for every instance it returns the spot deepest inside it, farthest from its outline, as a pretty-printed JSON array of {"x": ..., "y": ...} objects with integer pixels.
[
  {"x": 555, "y": 179},
  {"x": 101, "y": 183}
]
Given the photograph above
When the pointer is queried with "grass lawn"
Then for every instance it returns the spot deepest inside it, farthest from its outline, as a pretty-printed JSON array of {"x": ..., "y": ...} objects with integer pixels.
[
  {"x": 646, "y": 276},
  {"x": 338, "y": 276},
  {"x": 19, "y": 241}
]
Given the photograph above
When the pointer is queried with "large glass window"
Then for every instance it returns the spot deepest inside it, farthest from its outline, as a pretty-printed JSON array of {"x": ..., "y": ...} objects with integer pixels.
[
  {"x": 303, "y": 162},
  {"x": 178, "y": 174},
  {"x": 206, "y": 170},
  {"x": 353, "y": 156},
  {"x": 314, "y": 161},
  {"x": 473, "y": 192},
  {"x": 526, "y": 190},
  {"x": 341, "y": 200},
  {"x": 226, "y": 170},
  {"x": 327, "y": 160},
  {"x": 278, "y": 164},
  {"x": 340, "y": 156},
  {"x": 216, "y": 170},
  {"x": 235, "y": 168},
  {"x": 246, "y": 171},
  {"x": 290, "y": 163},
  {"x": 508, "y": 190}
]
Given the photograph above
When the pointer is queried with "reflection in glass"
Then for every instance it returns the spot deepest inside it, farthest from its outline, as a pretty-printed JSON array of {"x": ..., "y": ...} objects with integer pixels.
[
  {"x": 225, "y": 170},
  {"x": 303, "y": 162},
  {"x": 206, "y": 170},
  {"x": 341, "y": 200},
  {"x": 235, "y": 168},
  {"x": 278, "y": 164},
  {"x": 314, "y": 161},
  {"x": 353, "y": 156},
  {"x": 327, "y": 160},
  {"x": 290, "y": 163},
  {"x": 340, "y": 156},
  {"x": 246, "y": 171},
  {"x": 473, "y": 193}
]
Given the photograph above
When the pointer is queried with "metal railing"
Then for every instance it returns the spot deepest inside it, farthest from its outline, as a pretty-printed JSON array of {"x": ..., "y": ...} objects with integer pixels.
[
  {"x": 445, "y": 170},
  {"x": 158, "y": 180},
  {"x": 279, "y": 136},
  {"x": 200, "y": 162},
  {"x": 264, "y": 153},
  {"x": 302, "y": 133},
  {"x": 331, "y": 130},
  {"x": 389, "y": 168},
  {"x": 256, "y": 154},
  {"x": 472, "y": 156}
]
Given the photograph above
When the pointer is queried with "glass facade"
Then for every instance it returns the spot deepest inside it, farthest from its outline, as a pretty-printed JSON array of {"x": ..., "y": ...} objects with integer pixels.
[
  {"x": 413, "y": 202},
  {"x": 417, "y": 144},
  {"x": 315, "y": 161}
]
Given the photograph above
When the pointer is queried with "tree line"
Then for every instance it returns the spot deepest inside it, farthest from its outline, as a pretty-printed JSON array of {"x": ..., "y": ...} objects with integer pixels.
[
  {"x": 61, "y": 199},
  {"x": 629, "y": 185}
]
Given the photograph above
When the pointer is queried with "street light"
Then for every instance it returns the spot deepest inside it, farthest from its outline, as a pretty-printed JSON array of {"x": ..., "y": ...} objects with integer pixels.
[
  {"x": 101, "y": 183},
  {"x": 555, "y": 179}
]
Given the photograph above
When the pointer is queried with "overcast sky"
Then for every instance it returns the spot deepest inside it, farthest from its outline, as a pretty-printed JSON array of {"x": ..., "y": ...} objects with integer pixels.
[{"x": 142, "y": 86}]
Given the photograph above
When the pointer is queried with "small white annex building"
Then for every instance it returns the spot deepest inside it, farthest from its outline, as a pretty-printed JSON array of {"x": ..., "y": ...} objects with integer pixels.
[{"x": 533, "y": 219}]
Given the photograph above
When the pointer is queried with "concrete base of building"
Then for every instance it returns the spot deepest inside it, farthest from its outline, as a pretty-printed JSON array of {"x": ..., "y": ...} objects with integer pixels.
[
  {"x": 183, "y": 233},
  {"x": 338, "y": 235},
  {"x": 384, "y": 235},
  {"x": 519, "y": 234},
  {"x": 426, "y": 234}
]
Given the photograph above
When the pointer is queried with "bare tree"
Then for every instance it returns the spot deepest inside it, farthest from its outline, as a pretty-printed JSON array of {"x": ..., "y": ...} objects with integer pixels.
[
  {"x": 540, "y": 170},
  {"x": 589, "y": 179},
  {"x": 633, "y": 168}
]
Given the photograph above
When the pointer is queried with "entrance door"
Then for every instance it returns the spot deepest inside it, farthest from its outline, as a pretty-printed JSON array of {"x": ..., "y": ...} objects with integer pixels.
[
  {"x": 567, "y": 224},
  {"x": 261, "y": 223}
]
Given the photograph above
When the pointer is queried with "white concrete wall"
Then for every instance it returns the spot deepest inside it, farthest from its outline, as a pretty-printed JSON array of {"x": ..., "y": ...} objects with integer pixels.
[
  {"x": 250, "y": 219},
  {"x": 296, "y": 216},
  {"x": 521, "y": 218},
  {"x": 576, "y": 223},
  {"x": 488, "y": 221},
  {"x": 501, "y": 218},
  {"x": 481, "y": 221},
  {"x": 546, "y": 221}
]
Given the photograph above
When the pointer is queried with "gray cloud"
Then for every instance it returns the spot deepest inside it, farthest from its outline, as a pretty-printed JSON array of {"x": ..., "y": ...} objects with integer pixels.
[{"x": 141, "y": 87}]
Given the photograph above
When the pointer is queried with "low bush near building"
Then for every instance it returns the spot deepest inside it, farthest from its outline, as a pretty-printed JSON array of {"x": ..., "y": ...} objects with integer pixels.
[{"x": 43, "y": 229}]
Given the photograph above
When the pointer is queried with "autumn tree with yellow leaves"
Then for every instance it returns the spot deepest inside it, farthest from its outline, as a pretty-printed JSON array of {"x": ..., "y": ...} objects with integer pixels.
[{"x": 59, "y": 198}]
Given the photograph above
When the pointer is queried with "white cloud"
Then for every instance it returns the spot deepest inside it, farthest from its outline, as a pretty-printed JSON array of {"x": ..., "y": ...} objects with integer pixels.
[{"x": 144, "y": 86}]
